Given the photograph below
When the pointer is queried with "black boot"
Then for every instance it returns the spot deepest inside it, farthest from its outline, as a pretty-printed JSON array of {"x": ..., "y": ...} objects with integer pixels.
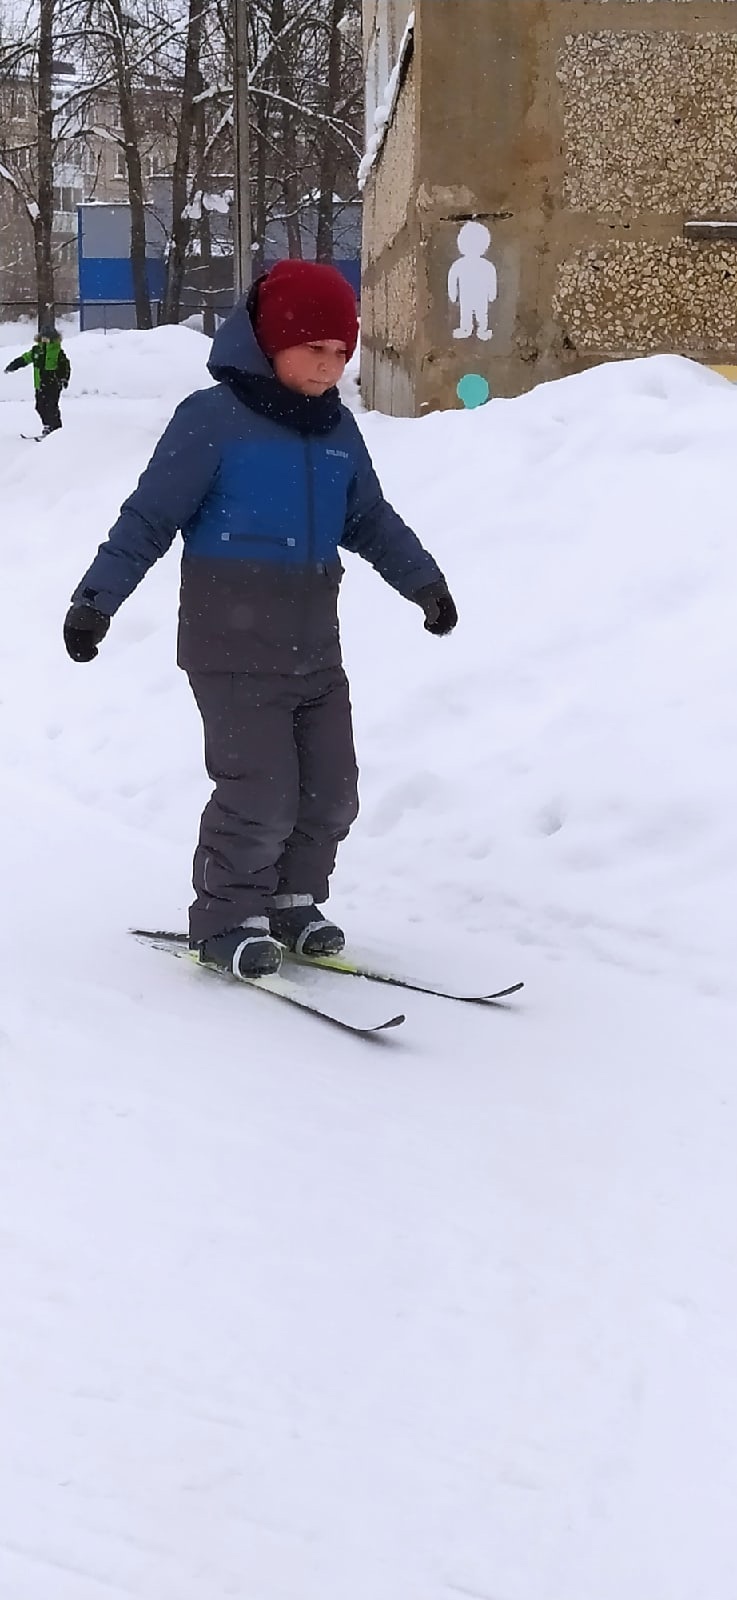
[
  {"x": 247, "y": 951},
  {"x": 300, "y": 925}
]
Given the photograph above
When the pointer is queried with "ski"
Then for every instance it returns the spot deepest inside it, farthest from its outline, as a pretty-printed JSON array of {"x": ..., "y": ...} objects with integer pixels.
[
  {"x": 33, "y": 438},
  {"x": 304, "y": 995},
  {"x": 362, "y": 969}
]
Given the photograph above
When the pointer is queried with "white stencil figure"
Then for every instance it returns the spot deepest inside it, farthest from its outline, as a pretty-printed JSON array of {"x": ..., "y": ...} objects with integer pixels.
[{"x": 472, "y": 281}]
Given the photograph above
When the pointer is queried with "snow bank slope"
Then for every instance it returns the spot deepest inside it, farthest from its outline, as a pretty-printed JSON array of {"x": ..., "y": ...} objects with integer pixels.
[
  {"x": 565, "y": 766},
  {"x": 285, "y": 1317}
]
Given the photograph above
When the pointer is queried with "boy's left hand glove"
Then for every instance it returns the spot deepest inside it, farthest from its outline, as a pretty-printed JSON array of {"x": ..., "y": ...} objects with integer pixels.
[
  {"x": 84, "y": 628},
  {"x": 439, "y": 607}
]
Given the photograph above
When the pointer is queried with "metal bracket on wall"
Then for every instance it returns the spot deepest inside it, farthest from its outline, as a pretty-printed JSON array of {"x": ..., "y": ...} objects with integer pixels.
[
  {"x": 704, "y": 228},
  {"x": 476, "y": 216}
]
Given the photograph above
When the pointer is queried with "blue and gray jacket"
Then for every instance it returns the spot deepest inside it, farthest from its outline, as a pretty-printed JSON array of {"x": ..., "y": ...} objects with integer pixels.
[{"x": 262, "y": 510}]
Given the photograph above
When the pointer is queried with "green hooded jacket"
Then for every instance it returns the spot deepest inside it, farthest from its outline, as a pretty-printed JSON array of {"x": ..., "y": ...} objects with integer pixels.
[{"x": 50, "y": 363}]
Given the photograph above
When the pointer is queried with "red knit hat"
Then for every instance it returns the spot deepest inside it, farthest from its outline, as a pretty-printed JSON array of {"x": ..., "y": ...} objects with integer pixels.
[{"x": 301, "y": 302}]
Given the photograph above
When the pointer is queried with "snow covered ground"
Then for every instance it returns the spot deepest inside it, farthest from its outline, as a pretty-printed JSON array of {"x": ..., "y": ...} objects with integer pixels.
[{"x": 287, "y": 1316}]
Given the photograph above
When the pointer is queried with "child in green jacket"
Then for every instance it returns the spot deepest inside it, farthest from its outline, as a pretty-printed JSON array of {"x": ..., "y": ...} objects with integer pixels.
[{"x": 51, "y": 374}]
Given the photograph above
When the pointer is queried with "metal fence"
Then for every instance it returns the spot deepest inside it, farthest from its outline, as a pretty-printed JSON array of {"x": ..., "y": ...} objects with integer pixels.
[
  {"x": 27, "y": 310},
  {"x": 111, "y": 315}
]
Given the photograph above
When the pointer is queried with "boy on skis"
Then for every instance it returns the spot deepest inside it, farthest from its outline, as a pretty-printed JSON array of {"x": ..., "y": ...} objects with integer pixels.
[
  {"x": 265, "y": 474},
  {"x": 51, "y": 374}
]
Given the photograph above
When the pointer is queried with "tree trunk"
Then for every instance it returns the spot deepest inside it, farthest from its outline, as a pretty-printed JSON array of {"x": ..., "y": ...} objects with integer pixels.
[
  {"x": 181, "y": 228},
  {"x": 200, "y": 134},
  {"x": 260, "y": 211},
  {"x": 325, "y": 246},
  {"x": 134, "y": 170},
  {"x": 208, "y": 314},
  {"x": 285, "y": 87},
  {"x": 43, "y": 222}
]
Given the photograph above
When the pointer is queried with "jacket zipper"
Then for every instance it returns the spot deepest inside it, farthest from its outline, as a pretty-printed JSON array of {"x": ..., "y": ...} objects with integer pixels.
[
  {"x": 259, "y": 538},
  {"x": 306, "y": 618},
  {"x": 310, "y": 502}
]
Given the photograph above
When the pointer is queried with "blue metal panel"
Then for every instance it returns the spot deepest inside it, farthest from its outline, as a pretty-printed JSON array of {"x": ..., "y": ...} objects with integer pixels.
[
  {"x": 105, "y": 272},
  {"x": 113, "y": 279},
  {"x": 352, "y": 271},
  {"x": 79, "y": 268}
]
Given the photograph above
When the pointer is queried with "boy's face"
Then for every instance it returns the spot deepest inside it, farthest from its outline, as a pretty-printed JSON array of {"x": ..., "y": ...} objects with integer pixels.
[{"x": 311, "y": 369}]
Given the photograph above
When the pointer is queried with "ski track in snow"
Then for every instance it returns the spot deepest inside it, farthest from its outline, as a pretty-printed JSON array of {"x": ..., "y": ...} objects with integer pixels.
[{"x": 290, "y": 1316}]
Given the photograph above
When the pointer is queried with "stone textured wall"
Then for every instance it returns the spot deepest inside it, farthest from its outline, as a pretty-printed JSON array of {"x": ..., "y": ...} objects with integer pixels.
[
  {"x": 649, "y": 120},
  {"x": 389, "y": 194},
  {"x": 649, "y": 129},
  {"x": 389, "y": 291},
  {"x": 613, "y": 3},
  {"x": 583, "y": 134},
  {"x": 636, "y": 297}
]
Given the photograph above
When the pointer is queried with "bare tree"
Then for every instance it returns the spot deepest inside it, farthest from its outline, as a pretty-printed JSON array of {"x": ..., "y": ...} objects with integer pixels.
[
  {"x": 306, "y": 110},
  {"x": 116, "y": 27},
  {"x": 181, "y": 227},
  {"x": 167, "y": 66},
  {"x": 27, "y": 161},
  {"x": 43, "y": 221},
  {"x": 32, "y": 147}
]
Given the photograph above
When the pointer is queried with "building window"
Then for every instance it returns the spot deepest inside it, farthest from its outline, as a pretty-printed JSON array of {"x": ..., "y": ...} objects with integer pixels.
[
  {"x": 378, "y": 65},
  {"x": 67, "y": 153},
  {"x": 372, "y": 83},
  {"x": 66, "y": 199}
]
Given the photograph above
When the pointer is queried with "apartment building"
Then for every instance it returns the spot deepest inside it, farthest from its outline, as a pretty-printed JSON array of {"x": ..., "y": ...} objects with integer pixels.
[{"x": 89, "y": 164}]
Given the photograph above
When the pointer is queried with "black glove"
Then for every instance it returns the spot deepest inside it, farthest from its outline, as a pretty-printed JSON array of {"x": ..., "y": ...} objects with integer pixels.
[
  {"x": 437, "y": 603},
  {"x": 84, "y": 628}
]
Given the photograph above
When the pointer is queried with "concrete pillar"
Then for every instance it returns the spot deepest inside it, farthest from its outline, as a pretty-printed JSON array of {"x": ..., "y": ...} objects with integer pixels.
[{"x": 584, "y": 137}]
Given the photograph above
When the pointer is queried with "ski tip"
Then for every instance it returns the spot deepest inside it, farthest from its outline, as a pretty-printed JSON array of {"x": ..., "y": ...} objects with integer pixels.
[{"x": 502, "y": 994}]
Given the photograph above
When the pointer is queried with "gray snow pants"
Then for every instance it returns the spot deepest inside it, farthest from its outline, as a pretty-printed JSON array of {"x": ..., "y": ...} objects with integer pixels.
[{"x": 280, "y": 753}]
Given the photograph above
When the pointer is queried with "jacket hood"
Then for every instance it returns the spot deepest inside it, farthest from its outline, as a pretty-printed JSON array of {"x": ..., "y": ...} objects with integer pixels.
[{"x": 235, "y": 347}]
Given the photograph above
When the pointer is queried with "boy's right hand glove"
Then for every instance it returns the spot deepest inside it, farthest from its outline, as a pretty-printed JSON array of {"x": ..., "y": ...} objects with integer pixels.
[
  {"x": 84, "y": 628},
  {"x": 439, "y": 607}
]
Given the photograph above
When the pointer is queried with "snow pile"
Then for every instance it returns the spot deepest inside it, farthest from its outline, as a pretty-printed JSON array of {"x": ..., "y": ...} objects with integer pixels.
[
  {"x": 565, "y": 766},
  {"x": 294, "y": 1318},
  {"x": 561, "y": 769},
  {"x": 208, "y": 202},
  {"x": 162, "y": 365}
]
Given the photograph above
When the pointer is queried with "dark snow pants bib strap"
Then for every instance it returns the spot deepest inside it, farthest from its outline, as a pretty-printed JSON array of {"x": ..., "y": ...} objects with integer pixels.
[{"x": 280, "y": 753}]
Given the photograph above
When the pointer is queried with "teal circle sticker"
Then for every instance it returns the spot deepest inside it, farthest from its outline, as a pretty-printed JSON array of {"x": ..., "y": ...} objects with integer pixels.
[{"x": 473, "y": 390}]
